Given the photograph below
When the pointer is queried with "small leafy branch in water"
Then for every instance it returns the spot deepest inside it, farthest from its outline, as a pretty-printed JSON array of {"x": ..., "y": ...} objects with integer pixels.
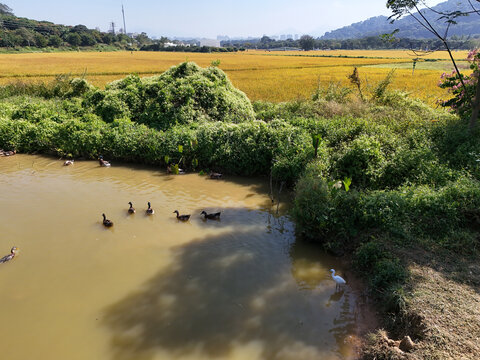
[
  {"x": 347, "y": 182},
  {"x": 184, "y": 159},
  {"x": 337, "y": 185},
  {"x": 175, "y": 168}
]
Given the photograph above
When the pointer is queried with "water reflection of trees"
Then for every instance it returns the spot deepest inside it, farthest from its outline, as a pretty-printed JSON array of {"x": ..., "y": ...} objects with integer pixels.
[
  {"x": 223, "y": 292},
  {"x": 344, "y": 322}
]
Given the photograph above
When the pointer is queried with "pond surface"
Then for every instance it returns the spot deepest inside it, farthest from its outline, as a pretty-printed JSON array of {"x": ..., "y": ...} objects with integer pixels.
[{"x": 151, "y": 287}]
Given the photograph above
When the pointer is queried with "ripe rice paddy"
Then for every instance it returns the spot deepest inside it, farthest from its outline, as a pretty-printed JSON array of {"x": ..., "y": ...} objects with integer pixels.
[{"x": 262, "y": 75}]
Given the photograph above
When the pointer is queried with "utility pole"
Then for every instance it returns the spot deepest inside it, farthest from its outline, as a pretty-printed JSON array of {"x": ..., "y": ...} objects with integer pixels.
[
  {"x": 124, "y": 26},
  {"x": 112, "y": 27}
]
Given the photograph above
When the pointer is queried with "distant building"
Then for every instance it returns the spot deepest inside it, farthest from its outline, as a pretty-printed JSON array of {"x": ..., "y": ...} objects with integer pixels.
[
  {"x": 290, "y": 36},
  {"x": 222, "y": 38},
  {"x": 297, "y": 36},
  {"x": 210, "y": 42},
  {"x": 170, "y": 44},
  {"x": 283, "y": 37}
]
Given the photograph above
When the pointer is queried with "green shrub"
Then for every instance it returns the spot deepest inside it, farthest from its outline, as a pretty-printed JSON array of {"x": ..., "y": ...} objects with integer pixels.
[
  {"x": 368, "y": 255},
  {"x": 416, "y": 166},
  {"x": 182, "y": 95},
  {"x": 362, "y": 161},
  {"x": 110, "y": 105},
  {"x": 458, "y": 146},
  {"x": 324, "y": 214},
  {"x": 386, "y": 274}
]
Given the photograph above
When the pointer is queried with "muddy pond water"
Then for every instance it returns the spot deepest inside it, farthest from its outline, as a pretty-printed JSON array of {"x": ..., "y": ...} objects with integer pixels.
[{"x": 152, "y": 287}]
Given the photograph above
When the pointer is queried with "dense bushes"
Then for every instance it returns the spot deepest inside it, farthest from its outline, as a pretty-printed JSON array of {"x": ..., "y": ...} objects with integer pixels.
[
  {"x": 248, "y": 148},
  {"x": 183, "y": 94},
  {"x": 324, "y": 213},
  {"x": 414, "y": 183}
]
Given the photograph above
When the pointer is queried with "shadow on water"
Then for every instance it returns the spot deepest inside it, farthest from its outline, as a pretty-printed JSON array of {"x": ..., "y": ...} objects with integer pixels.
[{"x": 227, "y": 291}]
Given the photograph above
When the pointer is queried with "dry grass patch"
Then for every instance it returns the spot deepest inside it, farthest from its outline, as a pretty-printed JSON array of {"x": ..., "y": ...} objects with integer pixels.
[
  {"x": 444, "y": 300},
  {"x": 450, "y": 311}
]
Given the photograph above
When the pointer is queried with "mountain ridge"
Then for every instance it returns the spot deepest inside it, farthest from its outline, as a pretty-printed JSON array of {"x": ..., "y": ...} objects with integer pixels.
[{"x": 408, "y": 26}]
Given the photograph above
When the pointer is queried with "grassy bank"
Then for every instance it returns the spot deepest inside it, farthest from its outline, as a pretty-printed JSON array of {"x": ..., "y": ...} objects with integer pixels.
[
  {"x": 378, "y": 176},
  {"x": 399, "y": 192}
]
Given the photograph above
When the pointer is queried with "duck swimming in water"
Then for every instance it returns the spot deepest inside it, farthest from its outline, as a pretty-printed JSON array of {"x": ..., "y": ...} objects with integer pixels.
[
  {"x": 150, "y": 211},
  {"x": 106, "y": 222},
  {"x": 10, "y": 256},
  {"x": 182, "y": 217},
  {"x": 131, "y": 209},
  {"x": 103, "y": 162},
  {"x": 68, "y": 162},
  {"x": 212, "y": 216}
]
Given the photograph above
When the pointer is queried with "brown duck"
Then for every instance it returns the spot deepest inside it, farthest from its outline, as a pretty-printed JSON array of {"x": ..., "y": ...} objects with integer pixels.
[
  {"x": 212, "y": 216},
  {"x": 182, "y": 217},
  {"x": 106, "y": 222}
]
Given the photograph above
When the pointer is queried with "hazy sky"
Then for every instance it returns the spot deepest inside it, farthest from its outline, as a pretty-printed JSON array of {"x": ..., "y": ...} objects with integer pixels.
[{"x": 207, "y": 18}]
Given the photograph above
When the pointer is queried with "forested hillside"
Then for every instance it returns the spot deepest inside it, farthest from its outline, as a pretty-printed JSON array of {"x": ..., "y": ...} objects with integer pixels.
[{"x": 467, "y": 26}]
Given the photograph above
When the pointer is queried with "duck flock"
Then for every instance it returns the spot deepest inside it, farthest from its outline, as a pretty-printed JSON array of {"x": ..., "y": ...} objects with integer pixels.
[
  {"x": 131, "y": 210},
  {"x": 149, "y": 210}
]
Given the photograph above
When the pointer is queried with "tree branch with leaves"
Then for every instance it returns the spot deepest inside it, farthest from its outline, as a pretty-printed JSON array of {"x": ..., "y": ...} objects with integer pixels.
[{"x": 418, "y": 10}]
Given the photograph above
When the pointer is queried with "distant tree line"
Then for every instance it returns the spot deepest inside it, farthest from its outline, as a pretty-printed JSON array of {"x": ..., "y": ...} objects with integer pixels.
[
  {"x": 307, "y": 42},
  {"x": 157, "y": 46},
  {"x": 19, "y": 32}
]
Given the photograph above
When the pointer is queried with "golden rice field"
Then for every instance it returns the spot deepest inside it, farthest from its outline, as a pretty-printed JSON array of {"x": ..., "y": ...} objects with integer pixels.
[{"x": 272, "y": 76}]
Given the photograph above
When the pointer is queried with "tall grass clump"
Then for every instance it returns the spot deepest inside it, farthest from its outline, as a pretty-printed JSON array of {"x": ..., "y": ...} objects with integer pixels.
[{"x": 63, "y": 86}]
